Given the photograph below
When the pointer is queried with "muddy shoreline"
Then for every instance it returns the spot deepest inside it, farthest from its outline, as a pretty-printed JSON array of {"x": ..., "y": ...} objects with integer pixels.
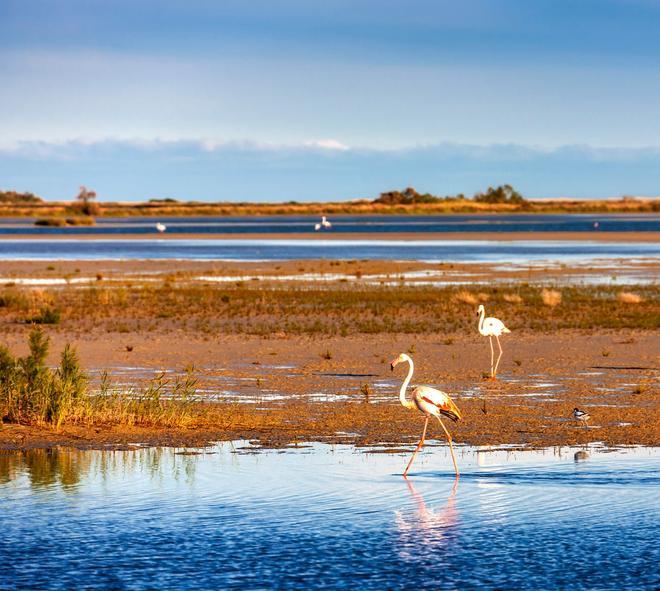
[
  {"x": 620, "y": 391},
  {"x": 291, "y": 385}
]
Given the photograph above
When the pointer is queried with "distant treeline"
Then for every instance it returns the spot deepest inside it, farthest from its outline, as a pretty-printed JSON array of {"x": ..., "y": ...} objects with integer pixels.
[
  {"x": 504, "y": 194},
  {"x": 502, "y": 199},
  {"x": 16, "y": 197}
]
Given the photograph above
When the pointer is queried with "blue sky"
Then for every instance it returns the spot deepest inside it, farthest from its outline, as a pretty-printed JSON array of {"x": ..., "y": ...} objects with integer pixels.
[{"x": 301, "y": 100}]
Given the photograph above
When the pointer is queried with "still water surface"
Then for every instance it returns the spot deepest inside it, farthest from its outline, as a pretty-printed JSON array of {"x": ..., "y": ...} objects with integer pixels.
[
  {"x": 522, "y": 251},
  {"x": 329, "y": 517},
  {"x": 369, "y": 224}
]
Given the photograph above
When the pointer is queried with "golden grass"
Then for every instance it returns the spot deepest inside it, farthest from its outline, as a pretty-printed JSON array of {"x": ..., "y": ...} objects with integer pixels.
[
  {"x": 627, "y": 297},
  {"x": 358, "y": 206},
  {"x": 551, "y": 297},
  {"x": 263, "y": 308},
  {"x": 512, "y": 298},
  {"x": 465, "y": 297}
]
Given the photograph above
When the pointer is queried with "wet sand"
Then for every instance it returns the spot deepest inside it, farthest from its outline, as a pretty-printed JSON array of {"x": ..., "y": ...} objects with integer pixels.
[
  {"x": 287, "y": 392},
  {"x": 283, "y": 389},
  {"x": 161, "y": 270}
]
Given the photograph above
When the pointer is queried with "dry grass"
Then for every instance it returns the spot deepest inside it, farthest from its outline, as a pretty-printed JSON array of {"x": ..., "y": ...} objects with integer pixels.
[
  {"x": 465, "y": 297},
  {"x": 273, "y": 309},
  {"x": 33, "y": 394},
  {"x": 627, "y": 297},
  {"x": 512, "y": 298},
  {"x": 362, "y": 206},
  {"x": 551, "y": 297}
]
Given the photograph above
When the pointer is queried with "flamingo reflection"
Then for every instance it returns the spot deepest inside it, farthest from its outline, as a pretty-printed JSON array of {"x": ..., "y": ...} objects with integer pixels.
[{"x": 427, "y": 530}]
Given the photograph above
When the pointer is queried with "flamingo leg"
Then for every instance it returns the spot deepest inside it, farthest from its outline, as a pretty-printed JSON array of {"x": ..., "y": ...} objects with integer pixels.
[
  {"x": 419, "y": 446},
  {"x": 499, "y": 356},
  {"x": 451, "y": 447},
  {"x": 490, "y": 340}
]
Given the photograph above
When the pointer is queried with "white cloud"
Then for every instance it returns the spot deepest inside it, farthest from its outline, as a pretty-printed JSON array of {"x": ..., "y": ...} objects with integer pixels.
[{"x": 327, "y": 144}]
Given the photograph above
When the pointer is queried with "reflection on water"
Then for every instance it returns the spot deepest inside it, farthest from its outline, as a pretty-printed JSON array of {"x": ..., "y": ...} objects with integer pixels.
[
  {"x": 426, "y": 532},
  {"x": 329, "y": 517}
]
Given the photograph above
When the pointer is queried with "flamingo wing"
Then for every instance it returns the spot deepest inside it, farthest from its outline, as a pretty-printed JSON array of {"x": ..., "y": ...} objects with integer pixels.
[
  {"x": 495, "y": 326},
  {"x": 432, "y": 401}
]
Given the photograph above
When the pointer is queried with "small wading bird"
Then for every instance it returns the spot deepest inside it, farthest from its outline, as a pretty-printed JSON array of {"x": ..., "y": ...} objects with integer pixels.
[
  {"x": 491, "y": 327},
  {"x": 582, "y": 416},
  {"x": 161, "y": 227},
  {"x": 430, "y": 402}
]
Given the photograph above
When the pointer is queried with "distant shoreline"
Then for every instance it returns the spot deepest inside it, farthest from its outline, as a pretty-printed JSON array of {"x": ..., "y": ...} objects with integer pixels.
[
  {"x": 453, "y": 206},
  {"x": 595, "y": 236}
]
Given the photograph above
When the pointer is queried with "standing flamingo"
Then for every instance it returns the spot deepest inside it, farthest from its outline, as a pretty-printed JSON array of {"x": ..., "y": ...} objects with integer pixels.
[
  {"x": 491, "y": 327},
  {"x": 430, "y": 402}
]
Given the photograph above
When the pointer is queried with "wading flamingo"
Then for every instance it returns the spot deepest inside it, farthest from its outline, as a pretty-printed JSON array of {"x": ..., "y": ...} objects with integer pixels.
[
  {"x": 491, "y": 327},
  {"x": 430, "y": 402},
  {"x": 161, "y": 227}
]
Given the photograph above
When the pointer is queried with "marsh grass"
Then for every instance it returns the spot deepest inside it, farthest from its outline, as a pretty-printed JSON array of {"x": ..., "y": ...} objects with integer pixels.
[
  {"x": 333, "y": 309},
  {"x": 30, "y": 392},
  {"x": 33, "y": 393}
]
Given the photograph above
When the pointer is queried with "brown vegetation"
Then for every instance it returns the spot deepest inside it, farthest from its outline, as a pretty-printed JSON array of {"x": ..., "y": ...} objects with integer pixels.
[{"x": 262, "y": 308}]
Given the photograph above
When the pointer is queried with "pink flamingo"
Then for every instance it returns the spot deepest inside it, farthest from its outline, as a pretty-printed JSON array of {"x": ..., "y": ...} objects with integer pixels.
[{"x": 430, "y": 402}]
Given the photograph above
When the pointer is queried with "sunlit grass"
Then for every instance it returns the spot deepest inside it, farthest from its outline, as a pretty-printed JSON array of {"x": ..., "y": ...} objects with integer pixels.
[{"x": 334, "y": 309}]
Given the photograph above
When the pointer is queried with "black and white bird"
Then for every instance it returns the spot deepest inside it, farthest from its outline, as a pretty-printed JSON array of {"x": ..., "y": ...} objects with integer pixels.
[{"x": 580, "y": 415}]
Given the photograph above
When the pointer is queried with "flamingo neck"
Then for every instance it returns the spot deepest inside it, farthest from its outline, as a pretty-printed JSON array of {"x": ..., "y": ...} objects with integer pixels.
[
  {"x": 481, "y": 321},
  {"x": 404, "y": 386}
]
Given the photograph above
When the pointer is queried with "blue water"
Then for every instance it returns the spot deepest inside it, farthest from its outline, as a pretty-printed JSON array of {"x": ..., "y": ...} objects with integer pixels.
[
  {"x": 329, "y": 517},
  {"x": 292, "y": 249},
  {"x": 371, "y": 224}
]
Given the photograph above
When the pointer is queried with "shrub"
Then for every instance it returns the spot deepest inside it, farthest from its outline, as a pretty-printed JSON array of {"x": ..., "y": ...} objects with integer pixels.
[
  {"x": 30, "y": 392},
  {"x": 626, "y": 297},
  {"x": 465, "y": 297},
  {"x": 513, "y": 298},
  {"x": 551, "y": 297},
  {"x": 501, "y": 194},
  {"x": 47, "y": 315}
]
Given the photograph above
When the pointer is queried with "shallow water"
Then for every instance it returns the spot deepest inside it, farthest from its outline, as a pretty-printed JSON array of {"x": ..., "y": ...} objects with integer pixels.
[
  {"x": 297, "y": 249},
  {"x": 369, "y": 224},
  {"x": 329, "y": 517}
]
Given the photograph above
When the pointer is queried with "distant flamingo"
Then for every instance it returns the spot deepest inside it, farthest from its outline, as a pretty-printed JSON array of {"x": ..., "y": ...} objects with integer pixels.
[
  {"x": 430, "y": 402},
  {"x": 491, "y": 327},
  {"x": 161, "y": 227},
  {"x": 324, "y": 224}
]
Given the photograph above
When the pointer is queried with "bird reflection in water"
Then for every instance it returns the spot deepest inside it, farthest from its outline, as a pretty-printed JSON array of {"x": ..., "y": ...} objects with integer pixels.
[{"x": 422, "y": 533}]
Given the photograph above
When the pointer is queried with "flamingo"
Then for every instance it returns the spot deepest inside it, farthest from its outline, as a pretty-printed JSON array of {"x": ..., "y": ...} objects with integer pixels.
[
  {"x": 491, "y": 327},
  {"x": 430, "y": 402},
  {"x": 317, "y": 227},
  {"x": 161, "y": 227},
  {"x": 325, "y": 223}
]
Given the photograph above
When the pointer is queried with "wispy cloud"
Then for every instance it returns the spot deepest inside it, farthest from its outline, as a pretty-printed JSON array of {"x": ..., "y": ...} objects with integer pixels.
[{"x": 321, "y": 169}]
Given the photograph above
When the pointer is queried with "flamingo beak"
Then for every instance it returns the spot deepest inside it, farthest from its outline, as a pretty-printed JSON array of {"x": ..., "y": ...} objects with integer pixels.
[{"x": 392, "y": 366}]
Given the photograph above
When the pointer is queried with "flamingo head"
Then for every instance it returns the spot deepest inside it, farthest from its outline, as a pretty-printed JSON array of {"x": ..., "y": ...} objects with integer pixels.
[
  {"x": 400, "y": 359},
  {"x": 480, "y": 309}
]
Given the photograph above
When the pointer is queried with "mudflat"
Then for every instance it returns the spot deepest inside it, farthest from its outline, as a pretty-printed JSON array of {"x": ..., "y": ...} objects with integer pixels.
[{"x": 283, "y": 361}]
